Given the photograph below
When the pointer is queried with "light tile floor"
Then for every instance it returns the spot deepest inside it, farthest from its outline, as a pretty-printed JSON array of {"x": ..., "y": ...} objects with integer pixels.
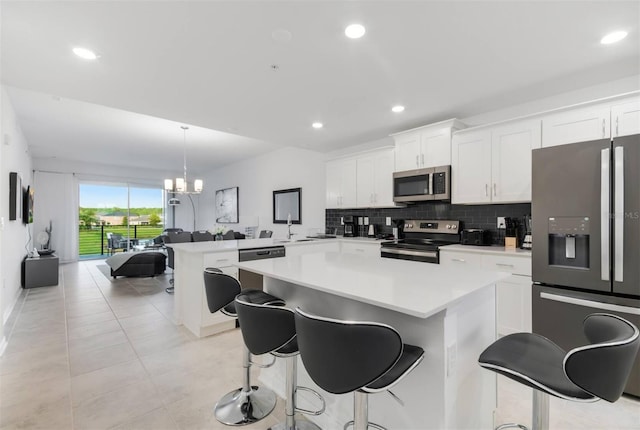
[{"x": 97, "y": 353}]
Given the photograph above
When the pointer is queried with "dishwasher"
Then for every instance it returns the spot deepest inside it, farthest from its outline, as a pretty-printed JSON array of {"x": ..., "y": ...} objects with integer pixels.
[{"x": 254, "y": 280}]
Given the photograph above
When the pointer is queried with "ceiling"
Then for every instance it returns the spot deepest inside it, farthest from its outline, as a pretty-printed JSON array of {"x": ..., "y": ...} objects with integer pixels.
[{"x": 210, "y": 65}]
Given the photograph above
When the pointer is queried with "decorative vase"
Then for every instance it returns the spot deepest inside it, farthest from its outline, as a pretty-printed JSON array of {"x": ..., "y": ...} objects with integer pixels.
[{"x": 218, "y": 236}]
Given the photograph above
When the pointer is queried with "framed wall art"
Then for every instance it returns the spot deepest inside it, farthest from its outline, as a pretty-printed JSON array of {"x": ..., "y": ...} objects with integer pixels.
[
  {"x": 227, "y": 205},
  {"x": 287, "y": 206}
]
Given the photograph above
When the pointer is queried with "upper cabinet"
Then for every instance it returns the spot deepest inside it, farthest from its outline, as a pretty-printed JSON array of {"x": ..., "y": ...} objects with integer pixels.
[
  {"x": 341, "y": 183},
  {"x": 577, "y": 125},
  {"x": 362, "y": 181},
  {"x": 493, "y": 165},
  {"x": 375, "y": 179},
  {"x": 428, "y": 146},
  {"x": 625, "y": 118}
]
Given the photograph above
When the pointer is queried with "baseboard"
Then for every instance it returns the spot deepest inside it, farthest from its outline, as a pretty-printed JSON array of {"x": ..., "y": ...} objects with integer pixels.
[{"x": 9, "y": 310}]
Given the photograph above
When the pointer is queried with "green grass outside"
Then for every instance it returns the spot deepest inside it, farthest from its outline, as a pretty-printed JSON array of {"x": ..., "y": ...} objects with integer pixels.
[{"x": 90, "y": 240}]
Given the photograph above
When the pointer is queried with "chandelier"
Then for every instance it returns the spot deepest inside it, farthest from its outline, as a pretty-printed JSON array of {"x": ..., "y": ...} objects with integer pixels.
[{"x": 181, "y": 183}]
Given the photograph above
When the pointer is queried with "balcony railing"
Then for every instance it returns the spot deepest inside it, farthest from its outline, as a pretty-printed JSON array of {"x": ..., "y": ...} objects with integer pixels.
[{"x": 93, "y": 240}]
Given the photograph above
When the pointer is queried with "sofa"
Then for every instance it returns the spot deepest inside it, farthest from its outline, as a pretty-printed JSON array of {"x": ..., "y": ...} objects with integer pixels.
[{"x": 137, "y": 264}]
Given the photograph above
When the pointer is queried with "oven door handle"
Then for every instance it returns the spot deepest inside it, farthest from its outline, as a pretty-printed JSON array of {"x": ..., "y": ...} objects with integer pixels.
[{"x": 433, "y": 254}]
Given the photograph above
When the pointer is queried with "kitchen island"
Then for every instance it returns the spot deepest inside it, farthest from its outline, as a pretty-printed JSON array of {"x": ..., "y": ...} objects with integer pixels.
[
  {"x": 450, "y": 313},
  {"x": 191, "y": 258}
]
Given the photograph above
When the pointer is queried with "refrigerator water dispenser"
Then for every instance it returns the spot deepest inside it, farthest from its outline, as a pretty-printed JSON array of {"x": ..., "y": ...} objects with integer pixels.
[{"x": 569, "y": 242}]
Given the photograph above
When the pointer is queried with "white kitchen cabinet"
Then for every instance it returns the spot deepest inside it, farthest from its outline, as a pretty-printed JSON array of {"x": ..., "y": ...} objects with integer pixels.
[
  {"x": 513, "y": 294},
  {"x": 459, "y": 259},
  {"x": 494, "y": 165},
  {"x": 625, "y": 118},
  {"x": 341, "y": 183},
  {"x": 428, "y": 146},
  {"x": 374, "y": 185},
  {"x": 368, "y": 249},
  {"x": 576, "y": 125},
  {"x": 191, "y": 294},
  {"x": 407, "y": 151},
  {"x": 471, "y": 167},
  {"x": 296, "y": 249},
  {"x": 511, "y": 148}
]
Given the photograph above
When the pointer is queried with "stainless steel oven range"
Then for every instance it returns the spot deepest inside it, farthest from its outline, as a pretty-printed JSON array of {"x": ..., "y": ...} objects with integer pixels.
[{"x": 420, "y": 240}]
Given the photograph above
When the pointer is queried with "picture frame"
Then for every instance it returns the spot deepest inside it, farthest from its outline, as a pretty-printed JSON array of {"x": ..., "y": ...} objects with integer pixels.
[
  {"x": 226, "y": 201},
  {"x": 287, "y": 204},
  {"x": 15, "y": 196}
]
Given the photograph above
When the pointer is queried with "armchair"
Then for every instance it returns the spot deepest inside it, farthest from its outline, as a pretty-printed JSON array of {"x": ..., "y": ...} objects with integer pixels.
[{"x": 115, "y": 241}]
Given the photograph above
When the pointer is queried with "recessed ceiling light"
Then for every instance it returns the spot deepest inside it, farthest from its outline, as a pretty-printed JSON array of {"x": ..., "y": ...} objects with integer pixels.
[
  {"x": 614, "y": 37},
  {"x": 354, "y": 31},
  {"x": 317, "y": 125},
  {"x": 87, "y": 54},
  {"x": 397, "y": 109}
]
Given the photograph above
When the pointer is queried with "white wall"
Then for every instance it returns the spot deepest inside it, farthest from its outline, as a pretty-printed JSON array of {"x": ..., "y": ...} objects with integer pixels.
[
  {"x": 15, "y": 235},
  {"x": 258, "y": 177}
]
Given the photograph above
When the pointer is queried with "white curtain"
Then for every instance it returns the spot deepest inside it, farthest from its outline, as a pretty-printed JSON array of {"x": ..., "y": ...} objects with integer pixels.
[{"x": 56, "y": 200}]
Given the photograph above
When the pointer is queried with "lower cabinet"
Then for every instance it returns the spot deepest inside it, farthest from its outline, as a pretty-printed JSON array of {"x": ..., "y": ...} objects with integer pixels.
[
  {"x": 513, "y": 294},
  {"x": 197, "y": 317},
  {"x": 370, "y": 249},
  {"x": 312, "y": 247}
]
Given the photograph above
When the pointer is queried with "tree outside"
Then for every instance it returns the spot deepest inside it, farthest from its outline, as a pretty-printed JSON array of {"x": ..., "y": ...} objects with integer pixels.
[
  {"x": 125, "y": 220},
  {"x": 154, "y": 219},
  {"x": 87, "y": 217}
]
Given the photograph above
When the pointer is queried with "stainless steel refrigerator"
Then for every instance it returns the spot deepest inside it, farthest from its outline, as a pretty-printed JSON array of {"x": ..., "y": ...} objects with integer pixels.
[{"x": 586, "y": 238}]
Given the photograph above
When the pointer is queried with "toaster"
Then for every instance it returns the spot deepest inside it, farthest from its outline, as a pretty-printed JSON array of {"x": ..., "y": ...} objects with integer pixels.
[{"x": 475, "y": 236}]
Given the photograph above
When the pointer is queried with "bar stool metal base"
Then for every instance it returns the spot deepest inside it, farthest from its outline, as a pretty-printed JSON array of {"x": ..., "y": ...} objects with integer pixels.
[
  {"x": 512, "y": 426},
  {"x": 241, "y": 407},
  {"x": 299, "y": 425}
]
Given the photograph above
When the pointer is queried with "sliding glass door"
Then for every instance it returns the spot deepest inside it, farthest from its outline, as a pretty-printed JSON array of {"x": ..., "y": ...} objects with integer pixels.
[{"x": 118, "y": 218}]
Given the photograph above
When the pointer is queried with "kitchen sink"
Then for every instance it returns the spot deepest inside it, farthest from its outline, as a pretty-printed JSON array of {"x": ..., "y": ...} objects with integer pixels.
[{"x": 292, "y": 240}]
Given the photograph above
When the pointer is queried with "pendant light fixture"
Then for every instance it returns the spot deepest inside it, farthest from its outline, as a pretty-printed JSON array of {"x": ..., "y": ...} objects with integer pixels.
[{"x": 181, "y": 183}]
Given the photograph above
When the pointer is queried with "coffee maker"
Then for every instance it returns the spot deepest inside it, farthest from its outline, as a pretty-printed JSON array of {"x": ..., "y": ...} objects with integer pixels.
[
  {"x": 527, "y": 242},
  {"x": 350, "y": 225}
]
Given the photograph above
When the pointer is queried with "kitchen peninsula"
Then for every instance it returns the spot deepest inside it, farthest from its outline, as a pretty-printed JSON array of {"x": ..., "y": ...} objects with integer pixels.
[
  {"x": 448, "y": 312},
  {"x": 191, "y": 258}
]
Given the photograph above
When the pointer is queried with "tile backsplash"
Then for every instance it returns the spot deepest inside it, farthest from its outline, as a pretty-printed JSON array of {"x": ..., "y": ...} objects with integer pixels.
[{"x": 471, "y": 216}]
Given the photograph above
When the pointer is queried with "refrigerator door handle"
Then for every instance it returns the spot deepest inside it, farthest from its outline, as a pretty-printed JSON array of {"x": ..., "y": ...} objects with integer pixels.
[
  {"x": 618, "y": 268},
  {"x": 590, "y": 303},
  {"x": 604, "y": 213}
]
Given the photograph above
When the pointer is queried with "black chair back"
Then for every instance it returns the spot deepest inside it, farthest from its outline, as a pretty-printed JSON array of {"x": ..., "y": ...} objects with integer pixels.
[
  {"x": 344, "y": 356},
  {"x": 202, "y": 236},
  {"x": 228, "y": 235},
  {"x": 220, "y": 289},
  {"x": 177, "y": 237},
  {"x": 265, "y": 328},
  {"x": 603, "y": 367},
  {"x": 265, "y": 234}
]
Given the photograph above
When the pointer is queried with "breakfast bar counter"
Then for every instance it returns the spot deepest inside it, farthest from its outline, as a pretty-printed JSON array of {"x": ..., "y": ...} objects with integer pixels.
[{"x": 450, "y": 313}]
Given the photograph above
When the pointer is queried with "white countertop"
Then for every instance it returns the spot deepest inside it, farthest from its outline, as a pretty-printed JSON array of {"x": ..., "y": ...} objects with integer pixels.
[
  {"x": 413, "y": 288},
  {"x": 500, "y": 250},
  {"x": 234, "y": 245}
]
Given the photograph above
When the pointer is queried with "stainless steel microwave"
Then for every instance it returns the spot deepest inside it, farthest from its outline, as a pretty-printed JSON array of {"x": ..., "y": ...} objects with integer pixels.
[{"x": 433, "y": 183}]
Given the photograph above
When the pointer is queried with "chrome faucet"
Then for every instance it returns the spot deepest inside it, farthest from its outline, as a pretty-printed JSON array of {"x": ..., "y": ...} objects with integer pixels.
[{"x": 289, "y": 234}]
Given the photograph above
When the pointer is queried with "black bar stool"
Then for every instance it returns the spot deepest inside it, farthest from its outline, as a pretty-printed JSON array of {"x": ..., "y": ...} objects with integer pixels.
[
  {"x": 271, "y": 329},
  {"x": 585, "y": 374},
  {"x": 248, "y": 403},
  {"x": 352, "y": 356}
]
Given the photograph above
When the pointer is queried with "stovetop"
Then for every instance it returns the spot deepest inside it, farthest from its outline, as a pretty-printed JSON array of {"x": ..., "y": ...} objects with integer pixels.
[
  {"x": 427, "y": 244},
  {"x": 427, "y": 235}
]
